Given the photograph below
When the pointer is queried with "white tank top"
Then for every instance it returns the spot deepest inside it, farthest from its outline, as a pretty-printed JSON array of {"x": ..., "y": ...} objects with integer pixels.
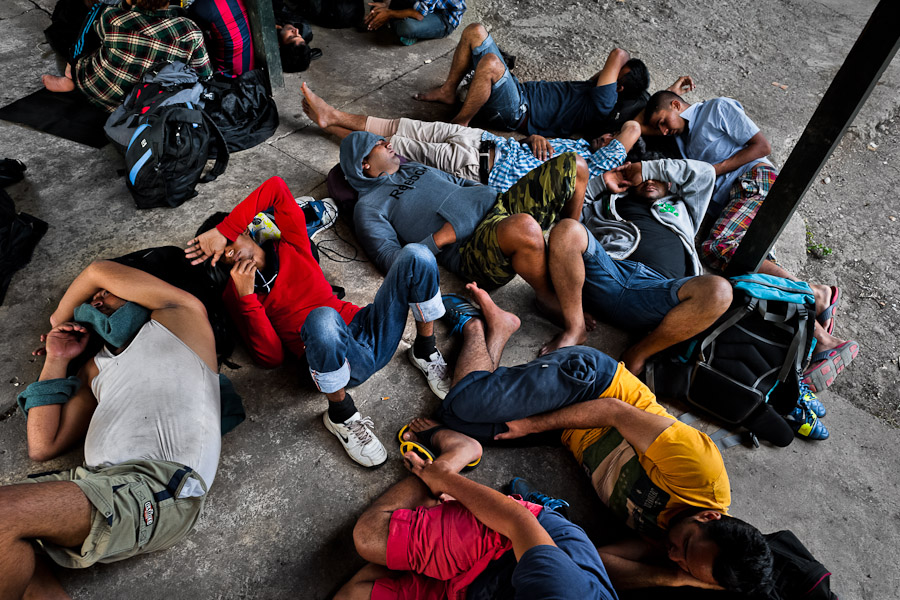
[{"x": 156, "y": 400}]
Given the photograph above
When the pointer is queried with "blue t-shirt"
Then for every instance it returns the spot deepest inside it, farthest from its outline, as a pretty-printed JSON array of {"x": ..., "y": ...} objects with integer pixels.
[
  {"x": 570, "y": 570},
  {"x": 562, "y": 108},
  {"x": 717, "y": 129}
]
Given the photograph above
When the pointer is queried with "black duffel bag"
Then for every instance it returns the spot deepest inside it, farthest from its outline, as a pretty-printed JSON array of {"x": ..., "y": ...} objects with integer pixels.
[{"x": 242, "y": 109}]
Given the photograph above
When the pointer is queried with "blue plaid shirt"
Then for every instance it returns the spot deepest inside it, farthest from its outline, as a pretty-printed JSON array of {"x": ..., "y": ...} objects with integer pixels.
[
  {"x": 453, "y": 9},
  {"x": 513, "y": 159}
]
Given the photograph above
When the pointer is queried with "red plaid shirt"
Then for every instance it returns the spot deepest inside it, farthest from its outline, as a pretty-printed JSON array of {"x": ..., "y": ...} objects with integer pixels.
[{"x": 132, "y": 41}]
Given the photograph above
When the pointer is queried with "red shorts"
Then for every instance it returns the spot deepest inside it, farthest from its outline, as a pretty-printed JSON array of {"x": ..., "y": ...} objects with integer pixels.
[{"x": 442, "y": 549}]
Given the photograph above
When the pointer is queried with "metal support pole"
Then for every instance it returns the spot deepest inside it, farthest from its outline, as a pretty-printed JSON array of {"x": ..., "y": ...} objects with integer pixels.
[
  {"x": 265, "y": 40},
  {"x": 849, "y": 90}
]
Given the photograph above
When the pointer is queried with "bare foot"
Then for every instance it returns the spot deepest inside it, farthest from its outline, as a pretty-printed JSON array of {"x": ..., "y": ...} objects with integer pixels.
[
  {"x": 438, "y": 94},
  {"x": 321, "y": 113},
  {"x": 495, "y": 318},
  {"x": 590, "y": 323},
  {"x": 454, "y": 449},
  {"x": 633, "y": 362},
  {"x": 57, "y": 83},
  {"x": 563, "y": 340}
]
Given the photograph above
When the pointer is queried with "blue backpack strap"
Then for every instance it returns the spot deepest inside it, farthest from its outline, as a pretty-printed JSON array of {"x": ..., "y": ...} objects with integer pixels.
[{"x": 769, "y": 287}]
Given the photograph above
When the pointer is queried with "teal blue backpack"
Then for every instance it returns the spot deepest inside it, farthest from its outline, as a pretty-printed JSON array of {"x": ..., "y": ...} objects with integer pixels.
[{"x": 746, "y": 368}]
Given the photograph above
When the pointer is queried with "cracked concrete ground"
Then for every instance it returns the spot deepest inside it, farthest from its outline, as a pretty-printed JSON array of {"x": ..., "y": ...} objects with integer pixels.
[{"x": 279, "y": 517}]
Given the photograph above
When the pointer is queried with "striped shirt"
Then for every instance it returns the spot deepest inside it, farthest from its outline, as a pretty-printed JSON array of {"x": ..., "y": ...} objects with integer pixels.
[
  {"x": 513, "y": 159},
  {"x": 452, "y": 9},
  {"x": 132, "y": 41}
]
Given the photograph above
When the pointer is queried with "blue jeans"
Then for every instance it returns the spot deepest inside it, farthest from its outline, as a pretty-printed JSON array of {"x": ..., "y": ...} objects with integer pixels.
[
  {"x": 482, "y": 402},
  {"x": 506, "y": 106},
  {"x": 435, "y": 25},
  {"x": 626, "y": 293},
  {"x": 340, "y": 354}
]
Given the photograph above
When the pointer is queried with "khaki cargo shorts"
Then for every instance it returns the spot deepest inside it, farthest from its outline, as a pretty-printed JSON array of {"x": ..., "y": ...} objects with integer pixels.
[{"x": 135, "y": 510}]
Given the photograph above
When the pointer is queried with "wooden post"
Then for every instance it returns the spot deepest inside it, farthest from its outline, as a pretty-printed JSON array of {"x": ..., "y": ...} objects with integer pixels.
[
  {"x": 864, "y": 65},
  {"x": 265, "y": 40}
]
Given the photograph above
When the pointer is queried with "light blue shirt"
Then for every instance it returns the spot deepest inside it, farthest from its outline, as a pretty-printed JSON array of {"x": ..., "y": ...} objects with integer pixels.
[{"x": 717, "y": 129}]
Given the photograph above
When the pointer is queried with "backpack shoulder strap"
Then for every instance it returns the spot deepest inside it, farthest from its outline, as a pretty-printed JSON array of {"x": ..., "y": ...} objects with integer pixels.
[{"x": 218, "y": 139}]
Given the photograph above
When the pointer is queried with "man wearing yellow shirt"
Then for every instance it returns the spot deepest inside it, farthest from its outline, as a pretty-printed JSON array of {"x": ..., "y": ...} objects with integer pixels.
[{"x": 665, "y": 479}]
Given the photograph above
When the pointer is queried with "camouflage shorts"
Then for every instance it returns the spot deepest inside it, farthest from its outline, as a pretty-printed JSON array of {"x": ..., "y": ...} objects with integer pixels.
[{"x": 541, "y": 193}]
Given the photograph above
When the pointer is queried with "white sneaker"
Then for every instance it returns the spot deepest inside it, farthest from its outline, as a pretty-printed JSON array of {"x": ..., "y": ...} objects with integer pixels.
[
  {"x": 436, "y": 372},
  {"x": 358, "y": 439}
]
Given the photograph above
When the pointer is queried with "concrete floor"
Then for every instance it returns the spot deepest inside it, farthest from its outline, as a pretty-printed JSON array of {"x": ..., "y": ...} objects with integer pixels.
[{"x": 279, "y": 517}]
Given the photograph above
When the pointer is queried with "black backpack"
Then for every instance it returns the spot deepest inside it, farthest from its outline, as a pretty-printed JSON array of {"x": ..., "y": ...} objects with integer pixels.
[
  {"x": 798, "y": 575},
  {"x": 165, "y": 84},
  {"x": 746, "y": 368},
  {"x": 166, "y": 156},
  {"x": 242, "y": 109}
]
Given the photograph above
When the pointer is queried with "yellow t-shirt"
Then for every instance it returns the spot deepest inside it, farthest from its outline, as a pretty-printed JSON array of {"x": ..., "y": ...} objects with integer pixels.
[{"x": 681, "y": 468}]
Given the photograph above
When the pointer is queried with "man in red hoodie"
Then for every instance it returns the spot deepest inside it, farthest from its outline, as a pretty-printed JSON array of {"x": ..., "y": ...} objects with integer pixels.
[{"x": 279, "y": 298}]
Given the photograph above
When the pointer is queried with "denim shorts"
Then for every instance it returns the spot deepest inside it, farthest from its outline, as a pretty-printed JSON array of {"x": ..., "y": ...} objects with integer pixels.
[
  {"x": 506, "y": 108},
  {"x": 628, "y": 294}
]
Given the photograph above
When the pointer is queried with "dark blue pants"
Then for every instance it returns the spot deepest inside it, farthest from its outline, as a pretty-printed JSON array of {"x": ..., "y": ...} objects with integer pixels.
[{"x": 482, "y": 403}]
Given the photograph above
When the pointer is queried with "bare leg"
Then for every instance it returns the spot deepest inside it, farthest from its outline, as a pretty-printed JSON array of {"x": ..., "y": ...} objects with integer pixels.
[
  {"x": 371, "y": 532},
  {"x": 489, "y": 70},
  {"x": 54, "y": 511},
  {"x": 44, "y": 585},
  {"x": 483, "y": 342},
  {"x": 472, "y": 37},
  {"x": 326, "y": 116},
  {"x": 521, "y": 239},
  {"x": 824, "y": 340},
  {"x": 361, "y": 585},
  {"x": 568, "y": 242},
  {"x": 702, "y": 300}
]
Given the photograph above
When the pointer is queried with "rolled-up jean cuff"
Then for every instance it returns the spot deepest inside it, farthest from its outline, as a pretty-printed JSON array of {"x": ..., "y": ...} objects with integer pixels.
[
  {"x": 429, "y": 310},
  {"x": 332, "y": 381}
]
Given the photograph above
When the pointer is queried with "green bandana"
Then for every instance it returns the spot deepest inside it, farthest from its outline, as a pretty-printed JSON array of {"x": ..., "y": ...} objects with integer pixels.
[{"x": 118, "y": 328}]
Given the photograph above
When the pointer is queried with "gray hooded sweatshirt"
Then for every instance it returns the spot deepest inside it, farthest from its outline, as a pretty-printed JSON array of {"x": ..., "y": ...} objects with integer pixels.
[
  {"x": 691, "y": 186},
  {"x": 411, "y": 205}
]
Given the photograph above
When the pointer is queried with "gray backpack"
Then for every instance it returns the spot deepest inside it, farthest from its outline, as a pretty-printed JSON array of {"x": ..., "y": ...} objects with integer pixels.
[{"x": 167, "y": 84}]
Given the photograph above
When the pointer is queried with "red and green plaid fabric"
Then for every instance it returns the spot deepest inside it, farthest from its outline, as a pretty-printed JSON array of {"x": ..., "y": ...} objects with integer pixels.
[
  {"x": 132, "y": 41},
  {"x": 746, "y": 196}
]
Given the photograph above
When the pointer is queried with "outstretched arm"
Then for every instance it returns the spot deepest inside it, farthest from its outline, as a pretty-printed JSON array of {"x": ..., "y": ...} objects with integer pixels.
[
  {"x": 635, "y": 563},
  {"x": 498, "y": 512},
  {"x": 639, "y": 428}
]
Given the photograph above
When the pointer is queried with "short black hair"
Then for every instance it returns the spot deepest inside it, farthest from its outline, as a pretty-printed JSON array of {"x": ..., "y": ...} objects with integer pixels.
[
  {"x": 744, "y": 563},
  {"x": 637, "y": 80},
  {"x": 659, "y": 101},
  {"x": 211, "y": 221},
  {"x": 218, "y": 274},
  {"x": 295, "y": 57}
]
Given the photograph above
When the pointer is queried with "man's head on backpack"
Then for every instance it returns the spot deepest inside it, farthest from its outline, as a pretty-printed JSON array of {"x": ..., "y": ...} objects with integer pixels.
[{"x": 720, "y": 550}]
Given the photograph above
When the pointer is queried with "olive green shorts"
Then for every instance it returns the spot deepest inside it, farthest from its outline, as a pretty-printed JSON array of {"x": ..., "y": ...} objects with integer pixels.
[
  {"x": 135, "y": 510},
  {"x": 541, "y": 193}
]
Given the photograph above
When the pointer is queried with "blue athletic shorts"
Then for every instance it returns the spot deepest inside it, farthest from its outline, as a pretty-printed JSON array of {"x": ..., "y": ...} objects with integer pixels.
[
  {"x": 626, "y": 293},
  {"x": 506, "y": 106}
]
